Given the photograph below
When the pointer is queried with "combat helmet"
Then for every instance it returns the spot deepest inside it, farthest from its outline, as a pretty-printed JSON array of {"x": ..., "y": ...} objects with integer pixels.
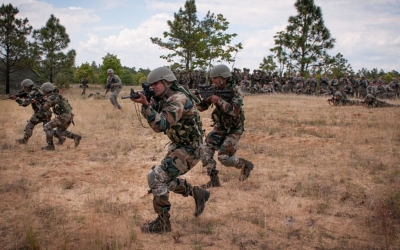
[
  {"x": 159, "y": 74},
  {"x": 110, "y": 71},
  {"x": 47, "y": 87},
  {"x": 26, "y": 83},
  {"x": 220, "y": 70}
]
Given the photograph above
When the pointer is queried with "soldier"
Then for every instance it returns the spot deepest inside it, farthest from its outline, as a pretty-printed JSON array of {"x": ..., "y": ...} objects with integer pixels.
[
  {"x": 64, "y": 116},
  {"x": 335, "y": 83},
  {"x": 348, "y": 89},
  {"x": 394, "y": 84},
  {"x": 277, "y": 85},
  {"x": 84, "y": 84},
  {"x": 324, "y": 81},
  {"x": 380, "y": 91},
  {"x": 371, "y": 102},
  {"x": 32, "y": 96},
  {"x": 343, "y": 81},
  {"x": 364, "y": 83},
  {"x": 114, "y": 84},
  {"x": 311, "y": 84},
  {"x": 340, "y": 99},
  {"x": 355, "y": 85},
  {"x": 299, "y": 87},
  {"x": 229, "y": 118},
  {"x": 173, "y": 113},
  {"x": 286, "y": 88}
]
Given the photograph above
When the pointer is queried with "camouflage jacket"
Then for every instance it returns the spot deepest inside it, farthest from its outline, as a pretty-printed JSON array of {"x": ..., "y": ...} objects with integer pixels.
[
  {"x": 115, "y": 80},
  {"x": 228, "y": 114},
  {"x": 175, "y": 115},
  {"x": 375, "y": 103},
  {"x": 37, "y": 106},
  {"x": 58, "y": 103}
]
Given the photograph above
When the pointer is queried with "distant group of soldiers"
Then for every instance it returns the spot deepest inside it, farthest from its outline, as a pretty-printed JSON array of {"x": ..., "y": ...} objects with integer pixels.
[
  {"x": 267, "y": 82},
  {"x": 261, "y": 82}
]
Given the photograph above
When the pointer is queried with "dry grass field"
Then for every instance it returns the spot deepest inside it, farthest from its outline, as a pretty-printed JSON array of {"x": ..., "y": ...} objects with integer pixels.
[{"x": 325, "y": 178}]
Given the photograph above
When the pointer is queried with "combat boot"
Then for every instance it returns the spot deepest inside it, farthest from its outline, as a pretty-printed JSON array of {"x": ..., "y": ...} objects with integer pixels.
[
  {"x": 50, "y": 146},
  {"x": 160, "y": 225},
  {"x": 247, "y": 166},
  {"x": 200, "y": 196},
  {"x": 23, "y": 140},
  {"x": 61, "y": 140},
  {"x": 77, "y": 139},
  {"x": 214, "y": 179}
]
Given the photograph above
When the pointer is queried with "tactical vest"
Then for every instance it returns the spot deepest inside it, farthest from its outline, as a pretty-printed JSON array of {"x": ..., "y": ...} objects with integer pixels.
[
  {"x": 224, "y": 120},
  {"x": 62, "y": 106},
  {"x": 189, "y": 129}
]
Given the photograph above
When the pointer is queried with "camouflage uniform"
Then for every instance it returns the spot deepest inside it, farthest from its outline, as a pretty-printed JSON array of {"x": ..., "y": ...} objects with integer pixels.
[
  {"x": 364, "y": 83},
  {"x": 176, "y": 116},
  {"x": 312, "y": 83},
  {"x": 340, "y": 99},
  {"x": 371, "y": 102},
  {"x": 84, "y": 85},
  {"x": 64, "y": 118},
  {"x": 395, "y": 86},
  {"x": 228, "y": 117},
  {"x": 40, "y": 115},
  {"x": 115, "y": 89},
  {"x": 335, "y": 83}
]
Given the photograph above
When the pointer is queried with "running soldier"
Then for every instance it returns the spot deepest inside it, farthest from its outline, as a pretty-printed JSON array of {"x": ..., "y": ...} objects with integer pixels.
[
  {"x": 32, "y": 96},
  {"x": 64, "y": 116},
  {"x": 84, "y": 85},
  {"x": 228, "y": 117},
  {"x": 172, "y": 112},
  {"x": 114, "y": 85}
]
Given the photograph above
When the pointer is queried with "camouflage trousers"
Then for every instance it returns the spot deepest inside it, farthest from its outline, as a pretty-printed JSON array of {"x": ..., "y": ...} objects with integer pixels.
[
  {"x": 61, "y": 124},
  {"x": 113, "y": 98},
  {"x": 84, "y": 87},
  {"x": 363, "y": 92},
  {"x": 35, "y": 120},
  {"x": 163, "y": 178},
  {"x": 226, "y": 144}
]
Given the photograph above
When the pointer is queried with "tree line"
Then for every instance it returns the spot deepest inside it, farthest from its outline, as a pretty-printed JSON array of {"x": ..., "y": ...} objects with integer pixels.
[{"x": 193, "y": 44}]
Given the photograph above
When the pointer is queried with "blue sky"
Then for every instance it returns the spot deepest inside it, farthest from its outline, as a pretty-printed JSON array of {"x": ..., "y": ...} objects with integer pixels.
[{"x": 366, "y": 31}]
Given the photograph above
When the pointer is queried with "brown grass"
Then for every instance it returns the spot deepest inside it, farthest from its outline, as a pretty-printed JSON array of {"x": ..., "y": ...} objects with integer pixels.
[{"x": 325, "y": 178}]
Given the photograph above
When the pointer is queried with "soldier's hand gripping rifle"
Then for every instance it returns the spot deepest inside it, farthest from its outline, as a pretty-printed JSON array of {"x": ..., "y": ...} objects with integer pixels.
[
  {"x": 147, "y": 92},
  {"x": 332, "y": 101},
  {"x": 205, "y": 91},
  {"x": 20, "y": 94}
]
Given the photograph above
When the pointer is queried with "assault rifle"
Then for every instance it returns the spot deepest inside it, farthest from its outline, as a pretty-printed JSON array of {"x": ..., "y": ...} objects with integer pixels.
[
  {"x": 205, "y": 91},
  {"x": 108, "y": 85},
  {"x": 19, "y": 94},
  {"x": 147, "y": 92},
  {"x": 332, "y": 101}
]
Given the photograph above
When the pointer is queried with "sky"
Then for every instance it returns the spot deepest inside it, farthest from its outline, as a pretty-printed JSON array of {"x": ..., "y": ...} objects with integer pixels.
[{"x": 366, "y": 31}]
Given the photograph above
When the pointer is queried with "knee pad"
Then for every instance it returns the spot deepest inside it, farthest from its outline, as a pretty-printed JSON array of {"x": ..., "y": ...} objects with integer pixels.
[
  {"x": 229, "y": 161},
  {"x": 157, "y": 180}
]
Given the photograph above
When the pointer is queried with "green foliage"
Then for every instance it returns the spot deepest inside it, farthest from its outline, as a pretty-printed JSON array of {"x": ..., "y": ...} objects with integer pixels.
[
  {"x": 84, "y": 70},
  {"x": 13, "y": 43},
  {"x": 305, "y": 40},
  {"x": 110, "y": 61},
  {"x": 126, "y": 77},
  {"x": 268, "y": 64},
  {"x": 49, "y": 42},
  {"x": 194, "y": 43}
]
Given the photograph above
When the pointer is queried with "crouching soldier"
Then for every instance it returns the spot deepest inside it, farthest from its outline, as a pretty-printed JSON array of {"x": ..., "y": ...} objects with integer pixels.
[
  {"x": 33, "y": 97},
  {"x": 64, "y": 116}
]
